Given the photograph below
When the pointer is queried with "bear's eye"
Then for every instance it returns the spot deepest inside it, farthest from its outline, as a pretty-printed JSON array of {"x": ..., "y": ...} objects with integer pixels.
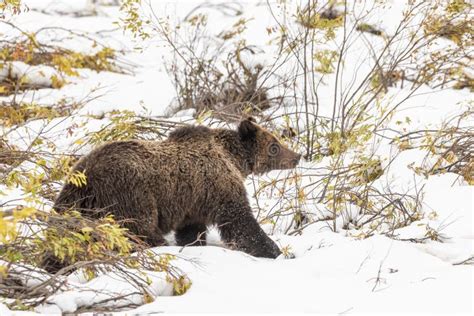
[{"x": 274, "y": 149}]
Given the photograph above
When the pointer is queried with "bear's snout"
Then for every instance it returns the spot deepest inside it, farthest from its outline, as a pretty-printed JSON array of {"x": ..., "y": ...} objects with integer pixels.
[
  {"x": 289, "y": 159},
  {"x": 296, "y": 160}
]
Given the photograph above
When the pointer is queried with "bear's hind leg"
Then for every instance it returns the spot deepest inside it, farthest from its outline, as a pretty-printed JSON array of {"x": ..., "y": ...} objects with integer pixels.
[
  {"x": 145, "y": 226},
  {"x": 155, "y": 241},
  {"x": 191, "y": 235},
  {"x": 147, "y": 234}
]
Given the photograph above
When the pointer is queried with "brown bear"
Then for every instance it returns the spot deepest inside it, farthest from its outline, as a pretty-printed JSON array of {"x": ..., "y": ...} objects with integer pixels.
[{"x": 193, "y": 179}]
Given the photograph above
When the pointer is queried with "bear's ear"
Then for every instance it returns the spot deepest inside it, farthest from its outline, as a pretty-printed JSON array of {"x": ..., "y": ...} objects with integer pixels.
[{"x": 247, "y": 129}]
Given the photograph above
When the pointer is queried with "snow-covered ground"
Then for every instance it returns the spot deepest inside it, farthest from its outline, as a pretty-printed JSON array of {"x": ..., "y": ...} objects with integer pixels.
[{"x": 331, "y": 272}]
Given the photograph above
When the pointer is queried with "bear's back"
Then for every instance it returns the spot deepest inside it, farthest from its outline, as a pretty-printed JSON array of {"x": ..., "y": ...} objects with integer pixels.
[
  {"x": 190, "y": 133},
  {"x": 192, "y": 150}
]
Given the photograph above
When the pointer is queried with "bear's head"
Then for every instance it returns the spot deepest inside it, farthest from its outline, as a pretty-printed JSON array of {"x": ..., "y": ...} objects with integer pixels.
[{"x": 265, "y": 151}]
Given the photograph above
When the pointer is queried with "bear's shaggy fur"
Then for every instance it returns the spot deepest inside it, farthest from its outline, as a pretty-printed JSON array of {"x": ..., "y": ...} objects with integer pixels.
[{"x": 193, "y": 179}]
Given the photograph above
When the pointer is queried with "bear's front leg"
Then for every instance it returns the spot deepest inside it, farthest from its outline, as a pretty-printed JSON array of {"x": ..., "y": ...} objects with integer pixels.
[{"x": 240, "y": 230}]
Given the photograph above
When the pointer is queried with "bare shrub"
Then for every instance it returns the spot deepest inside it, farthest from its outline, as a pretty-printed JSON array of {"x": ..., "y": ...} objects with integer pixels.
[
  {"x": 451, "y": 146},
  {"x": 208, "y": 71}
]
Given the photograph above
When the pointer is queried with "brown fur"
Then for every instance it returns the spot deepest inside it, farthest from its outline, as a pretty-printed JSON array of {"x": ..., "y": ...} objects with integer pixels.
[{"x": 193, "y": 179}]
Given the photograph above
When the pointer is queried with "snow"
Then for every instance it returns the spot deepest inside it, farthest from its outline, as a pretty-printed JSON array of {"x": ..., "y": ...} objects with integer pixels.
[
  {"x": 332, "y": 272},
  {"x": 100, "y": 289},
  {"x": 454, "y": 206}
]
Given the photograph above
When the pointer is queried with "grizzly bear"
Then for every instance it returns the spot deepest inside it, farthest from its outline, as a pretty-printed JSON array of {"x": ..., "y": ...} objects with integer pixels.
[{"x": 191, "y": 180}]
